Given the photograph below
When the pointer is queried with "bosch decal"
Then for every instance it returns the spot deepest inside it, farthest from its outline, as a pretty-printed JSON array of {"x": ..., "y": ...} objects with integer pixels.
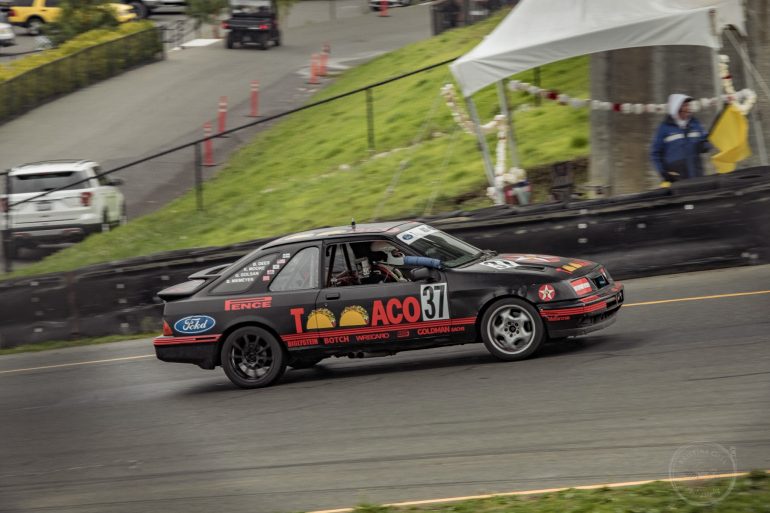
[
  {"x": 194, "y": 324},
  {"x": 252, "y": 303}
]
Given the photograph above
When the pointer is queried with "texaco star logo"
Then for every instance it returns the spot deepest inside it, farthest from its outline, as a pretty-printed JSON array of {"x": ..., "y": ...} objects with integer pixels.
[{"x": 546, "y": 292}]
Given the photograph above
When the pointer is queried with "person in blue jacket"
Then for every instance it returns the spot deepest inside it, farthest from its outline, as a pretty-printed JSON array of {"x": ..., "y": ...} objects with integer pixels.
[{"x": 678, "y": 143}]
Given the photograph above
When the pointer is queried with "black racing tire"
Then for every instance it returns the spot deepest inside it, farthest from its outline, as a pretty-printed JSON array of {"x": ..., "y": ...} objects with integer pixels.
[
  {"x": 35, "y": 25},
  {"x": 305, "y": 362},
  {"x": 253, "y": 358},
  {"x": 511, "y": 329},
  {"x": 230, "y": 41}
]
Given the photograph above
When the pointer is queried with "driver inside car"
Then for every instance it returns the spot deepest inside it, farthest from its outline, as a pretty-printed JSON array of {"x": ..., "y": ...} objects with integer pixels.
[{"x": 386, "y": 258}]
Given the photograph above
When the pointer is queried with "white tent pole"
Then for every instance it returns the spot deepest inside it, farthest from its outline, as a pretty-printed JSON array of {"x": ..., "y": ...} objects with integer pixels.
[
  {"x": 484, "y": 149},
  {"x": 503, "y": 99}
]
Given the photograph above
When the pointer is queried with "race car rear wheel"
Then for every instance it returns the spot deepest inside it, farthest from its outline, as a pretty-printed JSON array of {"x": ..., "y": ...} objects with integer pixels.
[
  {"x": 253, "y": 358},
  {"x": 512, "y": 329}
]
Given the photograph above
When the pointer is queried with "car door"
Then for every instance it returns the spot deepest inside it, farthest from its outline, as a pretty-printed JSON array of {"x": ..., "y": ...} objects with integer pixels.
[{"x": 378, "y": 315}]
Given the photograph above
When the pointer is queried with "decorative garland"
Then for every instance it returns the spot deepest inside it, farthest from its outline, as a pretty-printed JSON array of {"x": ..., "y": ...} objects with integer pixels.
[
  {"x": 744, "y": 100},
  {"x": 503, "y": 177}
]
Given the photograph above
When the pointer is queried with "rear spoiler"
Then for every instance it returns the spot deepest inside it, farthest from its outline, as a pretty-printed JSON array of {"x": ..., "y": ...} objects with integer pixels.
[{"x": 193, "y": 285}]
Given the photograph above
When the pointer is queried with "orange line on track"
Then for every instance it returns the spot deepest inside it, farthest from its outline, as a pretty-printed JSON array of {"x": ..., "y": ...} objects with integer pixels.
[{"x": 538, "y": 492}]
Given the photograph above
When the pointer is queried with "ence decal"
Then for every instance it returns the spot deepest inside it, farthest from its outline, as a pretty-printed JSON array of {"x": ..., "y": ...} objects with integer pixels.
[
  {"x": 252, "y": 303},
  {"x": 546, "y": 292},
  {"x": 194, "y": 324}
]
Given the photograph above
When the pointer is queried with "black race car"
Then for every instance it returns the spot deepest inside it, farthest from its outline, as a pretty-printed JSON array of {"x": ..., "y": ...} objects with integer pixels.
[{"x": 375, "y": 290}]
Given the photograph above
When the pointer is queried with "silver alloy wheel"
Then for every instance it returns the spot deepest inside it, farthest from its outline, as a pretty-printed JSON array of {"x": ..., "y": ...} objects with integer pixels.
[
  {"x": 251, "y": 356},
  {"x": 511, "y": 329}
]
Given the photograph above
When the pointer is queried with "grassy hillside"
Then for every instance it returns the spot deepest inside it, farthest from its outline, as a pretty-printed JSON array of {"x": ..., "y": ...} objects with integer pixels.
[{"x": 314, "y": 168}]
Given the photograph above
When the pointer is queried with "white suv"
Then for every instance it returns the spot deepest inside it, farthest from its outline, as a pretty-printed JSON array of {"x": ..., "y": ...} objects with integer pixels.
[{"x": 67, "y": 215}]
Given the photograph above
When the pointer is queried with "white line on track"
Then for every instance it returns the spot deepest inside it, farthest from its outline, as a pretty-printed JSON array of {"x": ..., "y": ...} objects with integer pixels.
[{"x": 79, "y": 363}]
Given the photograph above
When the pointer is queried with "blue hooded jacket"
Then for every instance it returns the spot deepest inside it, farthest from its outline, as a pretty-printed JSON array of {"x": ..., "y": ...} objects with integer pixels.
[{"x": 676, "y": 148}]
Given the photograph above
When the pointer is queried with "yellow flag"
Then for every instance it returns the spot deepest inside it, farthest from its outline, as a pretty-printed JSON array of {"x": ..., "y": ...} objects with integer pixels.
[{"x": 730, "y": 134}]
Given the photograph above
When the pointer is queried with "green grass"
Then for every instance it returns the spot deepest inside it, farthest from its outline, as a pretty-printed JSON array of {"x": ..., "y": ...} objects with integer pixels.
[
  {"x": 314, "y": 168},
  {"x": 749, "y": 495},
  {"x": 63, "y": 344}
]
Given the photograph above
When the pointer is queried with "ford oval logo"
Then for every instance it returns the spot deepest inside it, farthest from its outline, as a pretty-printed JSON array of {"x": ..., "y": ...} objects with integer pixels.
[{"x": 194, "y": 324}]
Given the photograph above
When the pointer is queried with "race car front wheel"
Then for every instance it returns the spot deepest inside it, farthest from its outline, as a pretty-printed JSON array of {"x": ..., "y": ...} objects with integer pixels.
[
  {"x": 512, "y": 329},
  {"x": 253, "y": 358}
]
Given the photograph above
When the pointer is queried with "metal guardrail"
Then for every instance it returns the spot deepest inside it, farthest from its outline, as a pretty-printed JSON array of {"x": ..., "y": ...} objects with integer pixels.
[{"x": 704, "y": 223}]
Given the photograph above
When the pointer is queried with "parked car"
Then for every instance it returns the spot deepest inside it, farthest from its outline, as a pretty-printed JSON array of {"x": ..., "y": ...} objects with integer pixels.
[
  {"x": 375, "y": 290},
  {"x": 7, "y": 36},
  {"x": 144, "y": 8},
  {"x": 33, "y": 14},
  {"x": 376, "y": 5},
  {"x": 87, "y": 203}
]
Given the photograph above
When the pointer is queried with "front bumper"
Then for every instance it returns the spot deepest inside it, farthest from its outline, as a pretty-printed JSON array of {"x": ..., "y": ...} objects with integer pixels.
[
  {"x": 200, "y": 350},
  {"x": 583, "y": 315}
]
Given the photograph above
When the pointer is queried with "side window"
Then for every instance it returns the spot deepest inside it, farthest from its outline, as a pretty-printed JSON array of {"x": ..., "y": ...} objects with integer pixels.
[
  {"x": 242, "y": 279},
  {"x": 364, "y": 263},
  {"x": 301, "y": 273},
  {"x": 52, "y": 3}
]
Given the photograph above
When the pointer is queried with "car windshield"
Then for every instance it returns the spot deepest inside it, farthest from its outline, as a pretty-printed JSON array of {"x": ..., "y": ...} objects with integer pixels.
[
  {"x": 436, "y": 244},
  {"x": 48, "y": 181}
]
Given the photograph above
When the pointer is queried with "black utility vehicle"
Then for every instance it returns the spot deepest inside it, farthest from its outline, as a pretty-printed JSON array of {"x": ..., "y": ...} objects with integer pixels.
[{"x": 252, "y": 21}]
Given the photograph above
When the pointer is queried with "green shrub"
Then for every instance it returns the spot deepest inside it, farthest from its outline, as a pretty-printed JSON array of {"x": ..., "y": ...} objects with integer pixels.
[{"x": 90, "y": 57}]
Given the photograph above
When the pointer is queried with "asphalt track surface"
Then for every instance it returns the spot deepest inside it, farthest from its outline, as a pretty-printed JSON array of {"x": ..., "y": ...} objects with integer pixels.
[{"x": 110, "y": 428}]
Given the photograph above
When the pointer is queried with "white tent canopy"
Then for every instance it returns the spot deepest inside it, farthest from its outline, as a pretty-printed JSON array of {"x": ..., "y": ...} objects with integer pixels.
[{"x": 537, "y": 32}]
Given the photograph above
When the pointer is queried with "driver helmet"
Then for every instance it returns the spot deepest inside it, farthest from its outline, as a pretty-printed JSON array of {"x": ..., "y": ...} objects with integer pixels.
[{"x": 394, "y": 256}]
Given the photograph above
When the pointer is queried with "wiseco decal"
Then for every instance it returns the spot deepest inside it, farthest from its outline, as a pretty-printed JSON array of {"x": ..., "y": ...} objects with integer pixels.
[{"x": 251, "y": 303}]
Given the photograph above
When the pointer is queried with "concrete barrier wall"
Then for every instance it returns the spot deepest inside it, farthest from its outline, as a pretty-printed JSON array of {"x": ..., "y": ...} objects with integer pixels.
[{"x": 709, "y": 222}]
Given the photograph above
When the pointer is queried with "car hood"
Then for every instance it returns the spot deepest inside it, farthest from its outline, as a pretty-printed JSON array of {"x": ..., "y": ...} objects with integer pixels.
[{"x": 556, "y": 266}]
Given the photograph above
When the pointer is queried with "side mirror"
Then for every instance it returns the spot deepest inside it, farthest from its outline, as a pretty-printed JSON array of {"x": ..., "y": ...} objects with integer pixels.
[{"x": 423, "y": 274}]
